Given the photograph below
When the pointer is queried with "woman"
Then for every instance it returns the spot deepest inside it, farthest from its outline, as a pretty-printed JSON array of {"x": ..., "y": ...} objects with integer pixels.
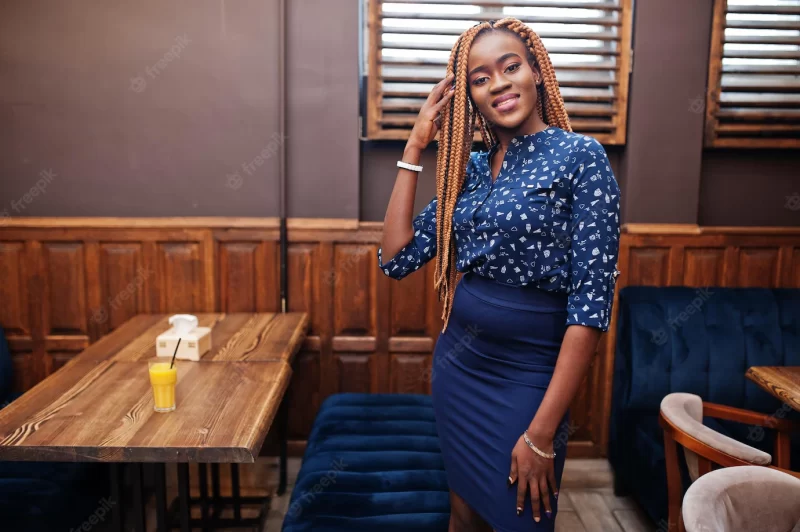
[{"x": 534, "y": 225}]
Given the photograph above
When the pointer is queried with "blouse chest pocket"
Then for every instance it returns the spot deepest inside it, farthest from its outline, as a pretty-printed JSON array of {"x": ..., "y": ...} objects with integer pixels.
[
  {"x": 546, "y": 200},
  {"x": 541, "y": 184},
  {"x": 543, "y": 189}
]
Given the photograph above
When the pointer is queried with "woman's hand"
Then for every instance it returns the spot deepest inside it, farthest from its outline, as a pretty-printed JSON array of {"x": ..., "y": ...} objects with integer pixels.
[
  {"x": 425, "y": 127},
  {"x": 532, "y": 473}
]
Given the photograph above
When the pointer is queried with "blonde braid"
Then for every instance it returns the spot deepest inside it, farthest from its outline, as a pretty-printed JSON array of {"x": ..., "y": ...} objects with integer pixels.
[{"x": 459, "y": 118}]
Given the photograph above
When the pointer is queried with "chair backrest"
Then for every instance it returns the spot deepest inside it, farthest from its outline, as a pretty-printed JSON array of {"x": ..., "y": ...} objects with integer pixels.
[
  {"x": 743, "y": 498},
  {"x": 685, "y": 413}
]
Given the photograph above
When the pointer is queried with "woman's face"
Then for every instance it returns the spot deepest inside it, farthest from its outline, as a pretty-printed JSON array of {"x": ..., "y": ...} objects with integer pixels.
[{"x": 501, "y": 81}]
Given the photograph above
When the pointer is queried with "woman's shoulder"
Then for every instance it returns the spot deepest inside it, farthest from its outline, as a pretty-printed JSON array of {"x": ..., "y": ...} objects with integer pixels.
[{"x": 580, "y": 143}]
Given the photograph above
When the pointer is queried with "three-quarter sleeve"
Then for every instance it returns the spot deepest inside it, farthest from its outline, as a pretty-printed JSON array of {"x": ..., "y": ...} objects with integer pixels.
[
  {"x": 420, "y": 250},
  {"x": 594, "y": 245}
]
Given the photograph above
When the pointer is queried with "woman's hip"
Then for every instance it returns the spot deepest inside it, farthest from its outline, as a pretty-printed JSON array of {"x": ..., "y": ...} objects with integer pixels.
[{"x": 502, "y": 328}]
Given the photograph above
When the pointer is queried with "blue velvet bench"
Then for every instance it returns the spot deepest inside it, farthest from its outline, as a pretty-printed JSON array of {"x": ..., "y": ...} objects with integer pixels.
[
  {"x": 700, "y": 341},
  {"x": 372, "y": 463},
  {"x": 47, "y": 496}
]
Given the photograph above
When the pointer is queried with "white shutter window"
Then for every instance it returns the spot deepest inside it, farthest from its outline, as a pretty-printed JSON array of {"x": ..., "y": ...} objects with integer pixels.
[
  {"x": 409, "y": 43},
  {"x": 754, "y": 75}
]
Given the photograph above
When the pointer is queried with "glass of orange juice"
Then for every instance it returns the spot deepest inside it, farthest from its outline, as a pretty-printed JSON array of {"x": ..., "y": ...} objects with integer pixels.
[{"x": 163, "y": 379}]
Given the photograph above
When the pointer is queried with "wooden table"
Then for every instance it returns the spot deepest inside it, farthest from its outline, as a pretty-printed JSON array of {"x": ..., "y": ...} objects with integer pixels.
[
  {"x": 240, "y": 337},
  {"x": 99, "y": 406},
  {"x": 783, "y": 382}
]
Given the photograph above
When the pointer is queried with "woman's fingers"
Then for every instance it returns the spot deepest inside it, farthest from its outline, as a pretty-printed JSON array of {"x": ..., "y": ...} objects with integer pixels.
[
  {"x": 446, "y": 98},
  {"x": 512, "y": 476},
  {"x": 551, "y": 478},
  {"x": 544, "y": 495},
  {"x": 439, "y": 88},
  {"x": 535, "y": 498},
  {"x": 522, "y": 488}
]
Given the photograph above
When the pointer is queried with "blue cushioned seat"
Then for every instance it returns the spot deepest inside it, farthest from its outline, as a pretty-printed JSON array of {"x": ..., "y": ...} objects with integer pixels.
[
  {"x": 700, "y": 341},
  {"x": 372, "y": 463},
  {"x": 46, "y": 496}
]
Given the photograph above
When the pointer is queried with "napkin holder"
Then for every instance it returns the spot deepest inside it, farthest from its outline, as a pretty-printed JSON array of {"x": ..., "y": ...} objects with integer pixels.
[{"x": 195, "y": 341}]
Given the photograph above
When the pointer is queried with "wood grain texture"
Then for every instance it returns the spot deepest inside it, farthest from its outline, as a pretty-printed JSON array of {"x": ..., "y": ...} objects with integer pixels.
[
  {"x": 783, "y": 382},
  {"x": 236, "y": 337},
  {"x": 104, "y": 412},
  {"x": 365, "y": 331}
]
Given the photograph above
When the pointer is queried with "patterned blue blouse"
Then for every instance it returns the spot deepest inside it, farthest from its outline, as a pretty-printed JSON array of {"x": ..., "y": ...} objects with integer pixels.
[{"x": 551, "y": 218}]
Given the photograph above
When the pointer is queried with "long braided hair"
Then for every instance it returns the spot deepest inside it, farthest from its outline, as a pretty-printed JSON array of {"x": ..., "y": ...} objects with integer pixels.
[{"x": 456, "y": 135}]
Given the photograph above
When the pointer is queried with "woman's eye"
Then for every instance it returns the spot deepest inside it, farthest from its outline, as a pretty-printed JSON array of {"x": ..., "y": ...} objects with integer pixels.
[
  {"x": 514, "y": 67},
  {"x": 479, "y": 81}
]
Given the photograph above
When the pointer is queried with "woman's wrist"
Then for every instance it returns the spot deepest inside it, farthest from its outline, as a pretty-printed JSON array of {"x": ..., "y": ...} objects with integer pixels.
[
  {"x": 540, "y": 432},
  {"x": 412, "y": 152}
]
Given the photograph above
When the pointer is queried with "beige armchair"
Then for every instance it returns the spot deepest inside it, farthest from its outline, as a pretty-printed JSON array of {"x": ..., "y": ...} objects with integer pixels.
[
  {"x": 743, "y": 498},
  {"x": 681, "y": 417}
]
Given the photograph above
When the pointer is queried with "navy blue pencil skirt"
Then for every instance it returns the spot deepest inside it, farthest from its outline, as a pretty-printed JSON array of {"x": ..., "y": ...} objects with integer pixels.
[{"x": 491, "y": 368}]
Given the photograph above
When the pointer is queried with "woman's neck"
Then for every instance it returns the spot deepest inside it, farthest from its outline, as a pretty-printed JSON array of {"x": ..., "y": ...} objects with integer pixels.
[{"x": 529, "y": 127}]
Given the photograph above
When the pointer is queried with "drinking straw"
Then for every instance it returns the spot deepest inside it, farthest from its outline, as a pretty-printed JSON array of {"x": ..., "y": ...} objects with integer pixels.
[{"x": 174, "y": 354}]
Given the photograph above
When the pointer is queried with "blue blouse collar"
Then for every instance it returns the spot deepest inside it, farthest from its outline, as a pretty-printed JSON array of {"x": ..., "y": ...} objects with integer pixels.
[{"x": 523, "y": 141}]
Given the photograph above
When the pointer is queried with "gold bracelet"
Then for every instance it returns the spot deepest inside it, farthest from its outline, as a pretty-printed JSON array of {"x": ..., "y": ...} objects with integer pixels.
[{"x": 536, "y": 449}]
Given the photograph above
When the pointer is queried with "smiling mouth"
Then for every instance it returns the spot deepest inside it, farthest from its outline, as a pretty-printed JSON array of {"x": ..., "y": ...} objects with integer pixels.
[{"x": 507, "y": 103}]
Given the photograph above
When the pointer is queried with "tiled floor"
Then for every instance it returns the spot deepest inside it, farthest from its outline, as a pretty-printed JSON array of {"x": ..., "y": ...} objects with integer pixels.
[{"x": 587, "y": 501}]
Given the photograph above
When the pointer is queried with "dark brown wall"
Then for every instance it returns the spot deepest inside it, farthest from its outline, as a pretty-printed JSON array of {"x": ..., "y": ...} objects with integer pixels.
[
  {"x": 665, "y": 122},
  {"x": 750, "y": 187},
  {"x": 190, "y": 142},
  {"x": 198, "y": 137}
]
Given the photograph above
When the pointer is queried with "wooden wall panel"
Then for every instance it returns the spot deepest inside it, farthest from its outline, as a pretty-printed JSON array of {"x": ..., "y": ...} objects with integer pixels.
[
  {"x": 411, "y": 373},
  {"x": 353, "y": 279},
  {"x": 26, "y": 372},
  {"x": 704, "y": 266},
  {"x": 121, "y": 276},
  {"x": 239, "y": 263},
  {"x": 792, "y": 277},
  {"x": 650, "y": 265},
  {"x": 758, "y": 267},
  {"x": 303, "y": 265},
  {"x": 73, "y": 281},
  {"x": 179, "y": 266},
  {"x": 14, "y": 290},
  {"x": 354, "y": 373},
  {"x": 65, "y": 294},
  {"x": 409, "y": 313},
  {"x": 304, "y": 395},
  {"x": 253, "y": 263}
]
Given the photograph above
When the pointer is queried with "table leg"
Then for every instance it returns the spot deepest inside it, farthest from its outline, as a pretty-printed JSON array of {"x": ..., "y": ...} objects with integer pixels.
[
  {"x": 162, "y": 522},
  {"x": 116, "y": 496},
  {"x": 216, "y": 496},
  {"x": 237, "y": 501},
  {"x": 183, "y": 495},
  {"x": 203, "y": 471},
  {"x": 283, "y": 434},
  {"x": 138, "y": 498}
]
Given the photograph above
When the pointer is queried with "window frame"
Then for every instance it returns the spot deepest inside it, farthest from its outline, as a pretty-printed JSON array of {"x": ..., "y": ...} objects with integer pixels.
[
  {"x": 619, "y": 99},
  {"x": 716, "y": 129}
]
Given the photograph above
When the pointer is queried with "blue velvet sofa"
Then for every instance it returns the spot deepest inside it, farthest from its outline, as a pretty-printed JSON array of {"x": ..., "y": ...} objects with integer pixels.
[
  {"x": 372, "y": 463},
  {"x": 46, "y": 496},
  {"x": 680, "y": 339}
]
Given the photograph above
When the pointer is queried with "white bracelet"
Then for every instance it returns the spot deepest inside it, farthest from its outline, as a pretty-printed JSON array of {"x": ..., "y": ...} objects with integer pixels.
[{"x": 407, "y": 166}]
